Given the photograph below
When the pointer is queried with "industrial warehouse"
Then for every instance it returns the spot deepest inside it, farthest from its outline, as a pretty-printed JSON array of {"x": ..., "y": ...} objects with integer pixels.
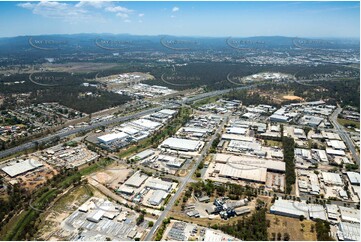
[
  {"x": 101, "y": 219},
  {"x": 14, "y": 169},
  {"x": 185, "y": 145},
  {"x": 244, "y": 168},
  {"x": 147, "y": 190},
  {"x": 133, "y": 131}
]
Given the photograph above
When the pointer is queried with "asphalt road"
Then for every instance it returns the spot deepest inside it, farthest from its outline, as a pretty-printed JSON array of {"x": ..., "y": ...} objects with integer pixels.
[
  {"x": 184, "y": 183},
  {"x": 344, "y": 135},
  {"x": 62, "y": 134}
]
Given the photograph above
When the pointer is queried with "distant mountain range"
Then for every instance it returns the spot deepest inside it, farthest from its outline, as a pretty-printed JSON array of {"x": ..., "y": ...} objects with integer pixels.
[{"x": 125, "y": 42}]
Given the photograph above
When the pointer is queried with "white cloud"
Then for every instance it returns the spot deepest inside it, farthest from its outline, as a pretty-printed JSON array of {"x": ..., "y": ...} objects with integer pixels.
[
  {"x": 26, "y": 5},
  {"x": 94, "y": 4},
  {"x": 115, "y": 9},
  {"x": 175, "y": 9},
  {"x": 81, "y": 10},
  {"x": 122, "y": 15},
  {"x": 141, "y": 15},
  {"x": 55, "y": 10}
]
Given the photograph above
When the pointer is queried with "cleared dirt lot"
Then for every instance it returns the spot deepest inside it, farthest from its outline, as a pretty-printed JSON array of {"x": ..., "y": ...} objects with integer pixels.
[
  {"x": 113, "y": 177},
  {"x": 62, "y": 208},
  {"x": 292, "y": 226},
  {"x": 291, "y": 97}
]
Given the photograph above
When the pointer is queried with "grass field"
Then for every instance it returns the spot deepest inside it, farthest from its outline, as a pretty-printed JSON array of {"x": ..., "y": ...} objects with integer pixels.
[
  {"x": 205, "y": 101},
  {"x": 298, "y": 230},
  {"x": 346, "y": 122},
  {"x": 273, "y": 143}
]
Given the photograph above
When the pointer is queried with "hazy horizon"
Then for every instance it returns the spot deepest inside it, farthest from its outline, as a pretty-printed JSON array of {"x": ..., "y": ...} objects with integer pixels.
[
  {"x": 189, "y": 19},
  {"x": 187, "y": 36}
]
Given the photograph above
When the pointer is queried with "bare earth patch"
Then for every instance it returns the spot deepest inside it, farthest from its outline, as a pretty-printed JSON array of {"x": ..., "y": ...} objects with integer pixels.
[
  {"x": 297, "y": 230},
  {"x": 291, "y": 97}
]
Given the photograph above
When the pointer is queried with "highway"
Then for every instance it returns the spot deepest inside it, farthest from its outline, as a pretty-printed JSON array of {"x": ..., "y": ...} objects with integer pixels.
[
  {"x": 183, "y": 184},
  {"x": 61, "y": 134},
  {"x": 344, "y": 135}
]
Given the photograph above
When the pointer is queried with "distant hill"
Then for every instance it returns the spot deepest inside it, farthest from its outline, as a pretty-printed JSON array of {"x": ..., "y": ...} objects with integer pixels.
[{"x": 75, "y": 43}]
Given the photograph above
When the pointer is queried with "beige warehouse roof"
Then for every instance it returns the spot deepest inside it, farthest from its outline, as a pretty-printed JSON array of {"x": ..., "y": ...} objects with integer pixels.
[
  {"x": 251, "y": 161},
  {"x": 242, "y": 172}
]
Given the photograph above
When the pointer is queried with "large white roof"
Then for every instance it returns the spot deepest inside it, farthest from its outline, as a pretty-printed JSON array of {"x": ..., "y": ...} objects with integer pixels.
[
  {"x": 146, "y": 123},
  {"x": 335, "y": 152},
  {"x": 157, "y": 197},
  {"x": 354, "y": 177},
  {"x": 349, "y": 214},
  {"x": 350, "y": 231},
  {"x": 237, "y": 137},
  {"x": 336, "y": 144},
  {"x": 317, "y": 211},
  {"x": 136, "y": 179},
  {"x": 332, "y": 178},
  {"x": 236, "y": 130},
  {"x": 167, "y": 111},
  {"x": 243, "y": 145},
  {"x": 21, "y": 167},
  {"x": 112, "y": 137},
  {"x": 290, "y": 207},
  {"x": 129, "y": 130},
  {"x": 196, "y": 130},
  {"x": 181, "y": 144},
  {"x": 158, "y": 184},
  {"x": 215, "y": 236}
]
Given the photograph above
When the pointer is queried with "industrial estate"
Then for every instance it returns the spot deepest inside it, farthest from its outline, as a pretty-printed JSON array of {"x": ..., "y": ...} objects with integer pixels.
[{"x": 161, "y": 138}]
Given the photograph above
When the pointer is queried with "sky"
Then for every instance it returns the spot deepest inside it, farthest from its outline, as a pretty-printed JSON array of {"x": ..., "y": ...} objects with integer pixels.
[{"x": 213, "y": 19}]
